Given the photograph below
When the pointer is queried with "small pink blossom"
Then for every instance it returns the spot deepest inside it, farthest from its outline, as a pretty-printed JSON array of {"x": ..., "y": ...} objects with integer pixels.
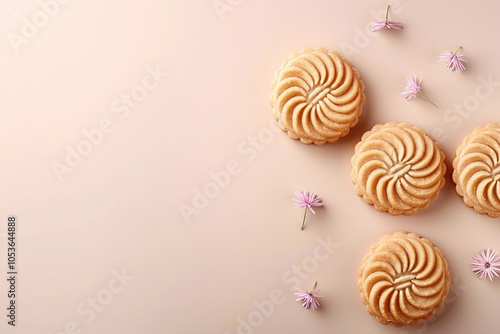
[
  {"x": 308, "y": 200},
  {"x": 486, "y": 264},
  {"x": 308, "y": 299},
  {"x": 454, "y": 61},
  {"x": 413, "y": 89},
  {"x": 386, "y": 24}
]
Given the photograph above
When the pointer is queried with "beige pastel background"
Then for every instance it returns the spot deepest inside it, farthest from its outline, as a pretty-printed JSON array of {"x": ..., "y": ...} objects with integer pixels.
[{"x": 116, "y": 117}]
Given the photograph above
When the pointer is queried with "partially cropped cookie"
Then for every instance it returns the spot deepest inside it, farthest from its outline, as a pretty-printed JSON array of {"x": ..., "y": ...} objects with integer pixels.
[
  {"x": 403, "y": 279},
  {"x": 317, "y": 96},
  {"x": 398, "y": 168},
  {"x": 476, "y": 170}
]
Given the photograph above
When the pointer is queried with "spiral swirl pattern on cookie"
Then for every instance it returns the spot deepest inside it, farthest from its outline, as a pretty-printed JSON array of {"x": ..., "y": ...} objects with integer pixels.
[
  {"x": 477, "y": 170},
  {"x": 398, "y": 168},
  {"x": 403, "y": 279},
  {"x": 317, "y": 96}
]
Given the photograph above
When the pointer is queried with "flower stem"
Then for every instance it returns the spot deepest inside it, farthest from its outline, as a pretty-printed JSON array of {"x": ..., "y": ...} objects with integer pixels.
[
  {"x": 457, "y": 50},
  {"x": 420, "y": 95},
  {"x": 387, "y": 12},
  {"x": 304, "y": 219},
  {"x": 315, "y": 285}
]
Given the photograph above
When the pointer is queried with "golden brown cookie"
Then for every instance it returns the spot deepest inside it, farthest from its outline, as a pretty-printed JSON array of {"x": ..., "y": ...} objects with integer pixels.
[
  {"x": 397, "y": 168},
  {"x": 403, "y": 279},
  {"x": 476, "y": 170},
  {"x": 317, "y": 96}
]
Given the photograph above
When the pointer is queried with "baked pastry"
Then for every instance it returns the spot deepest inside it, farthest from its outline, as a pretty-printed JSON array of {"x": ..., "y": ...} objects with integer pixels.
[
  {"x": 476, "y": 170},
  {"x": 403, "y": 279},
  {"x": 397, "y": 168},
  {"x": 317, "y": 96}
]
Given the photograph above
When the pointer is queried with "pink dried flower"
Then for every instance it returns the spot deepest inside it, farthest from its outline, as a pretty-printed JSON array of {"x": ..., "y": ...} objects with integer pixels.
[
  {"x": 308, "y": 299},
  {"x": 386, "y": 24},
  {"x": 486, "y": 264},
  {"x": 413, "y": 89},
  {"x": 453, "y": 61},
  {"x": 308, "y": 200}
]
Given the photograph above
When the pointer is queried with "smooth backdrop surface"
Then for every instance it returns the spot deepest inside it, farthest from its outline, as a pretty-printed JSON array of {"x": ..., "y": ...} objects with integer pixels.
[{"x": 153, "y": 192}]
